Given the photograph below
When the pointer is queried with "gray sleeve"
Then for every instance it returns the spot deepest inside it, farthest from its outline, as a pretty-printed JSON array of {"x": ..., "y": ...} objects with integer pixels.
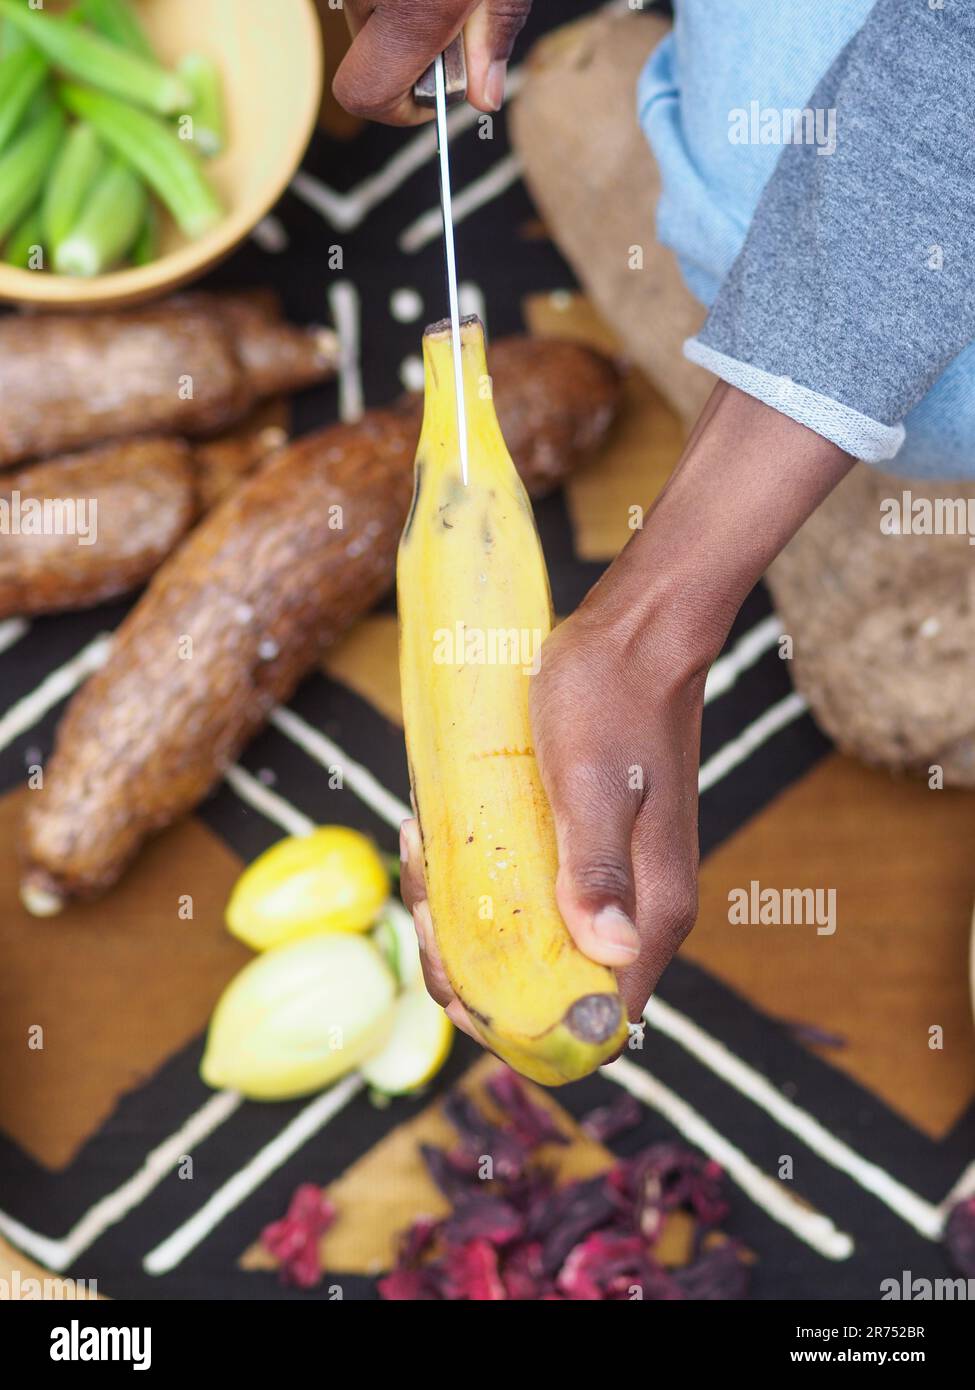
[{"x": 856, "y": 284}]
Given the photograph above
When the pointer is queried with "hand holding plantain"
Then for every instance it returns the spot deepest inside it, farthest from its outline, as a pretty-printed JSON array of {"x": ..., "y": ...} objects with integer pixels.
[{"x": 616, "y": 704}]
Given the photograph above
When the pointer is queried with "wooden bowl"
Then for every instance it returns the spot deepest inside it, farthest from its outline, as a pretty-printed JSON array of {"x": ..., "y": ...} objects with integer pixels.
[{"x": 271, "y": 62}]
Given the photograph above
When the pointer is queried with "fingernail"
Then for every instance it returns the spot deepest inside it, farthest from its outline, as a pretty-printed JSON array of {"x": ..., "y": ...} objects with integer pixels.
[
  {"x": 494, "y": 84},
  {"x": 404, "y": 849},
  {"x": 614, "y": 927}
]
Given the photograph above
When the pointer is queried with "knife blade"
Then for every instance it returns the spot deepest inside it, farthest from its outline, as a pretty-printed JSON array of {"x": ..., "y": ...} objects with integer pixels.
[{"x": 443, "y": 84}]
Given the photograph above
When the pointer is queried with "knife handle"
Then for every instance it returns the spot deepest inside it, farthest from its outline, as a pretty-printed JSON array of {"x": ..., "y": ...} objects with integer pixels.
[{"x": 455, "y": 77}]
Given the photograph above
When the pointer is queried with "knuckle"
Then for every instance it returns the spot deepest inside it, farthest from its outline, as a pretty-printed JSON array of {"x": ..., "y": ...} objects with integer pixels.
[
  {"x": 353, "y": 96},
  {"x": 593, "y": 782},
  {"x": 677, "y": 908},
  {"x": 604, "y": 875},
  {"x": 506, "y": 21}
]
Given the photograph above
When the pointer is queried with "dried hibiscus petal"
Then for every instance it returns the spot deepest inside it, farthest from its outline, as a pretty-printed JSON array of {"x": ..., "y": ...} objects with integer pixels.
[
  {"x": 608, "y": 1121},
  {"x": 524, "y": 1238},
  {"x": 522, "y": 1272},
  {"x": 720, "y": 1273},
  {"x": 484, "y": 1216},
  {"x": 416, "y": 1241},
  {"x": 409, "y": 1285},
  {"x": 472, "y": 1272},
  {"x": 653, "y": 1283},
  {"x": 590, "y": 1267},
  {"x": 573, "y": 1213},
  {"x": 960, "y": 1236},
  {"x": 666, "y": 1177},
  {"x": 531, "y": 1124},
  {"x": 293, "y": 1241},
  {"x": 480, "y": 1139},
  {"x": 452, "y": 1180}
]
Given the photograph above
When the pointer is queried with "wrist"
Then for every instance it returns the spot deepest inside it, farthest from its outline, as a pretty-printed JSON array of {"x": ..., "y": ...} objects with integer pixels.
[{"x": 748, "y": 478}]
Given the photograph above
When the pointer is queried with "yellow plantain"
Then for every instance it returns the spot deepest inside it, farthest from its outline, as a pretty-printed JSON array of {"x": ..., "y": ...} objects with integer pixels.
[{"x": 474, "y": 608}]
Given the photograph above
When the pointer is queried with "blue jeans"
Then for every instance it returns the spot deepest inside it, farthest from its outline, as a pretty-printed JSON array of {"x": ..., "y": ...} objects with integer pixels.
[{"x": 736, "y": 57}]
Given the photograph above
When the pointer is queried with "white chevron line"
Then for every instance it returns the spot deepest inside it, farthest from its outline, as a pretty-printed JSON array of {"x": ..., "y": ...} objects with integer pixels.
[
  {"x": 343, "y": 300},
  {"x": 963, "y": 1188},
  {"x": 354, "y": 775},
  {"x": 53, "y": 689},
  {"x": 109, "y": 1210},
  {"x": 755, "y": 643},
  {"x": 926, "y": 1218},
  {"x": 174, "y": 1249},
  {"x": 11, "y": 631},
  {"x": 739, "y": 749},
  {"x": 272, "y": 806},
  {"x": 429, "y": 225},
  {"x": 770, "y": 1194},
  {"x": 346, "y": 210}
]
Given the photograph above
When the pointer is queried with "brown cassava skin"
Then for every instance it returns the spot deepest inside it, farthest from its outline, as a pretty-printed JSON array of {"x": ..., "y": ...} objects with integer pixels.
[
  {"x": 556, "y": 401},
  {"x": 262, "y": 587},
  {"x": 225, "y": 631},
  {"x": 149, "y": 492},
  {"x": 68, "y": 382},
  {"x": 146, "y": 496}
]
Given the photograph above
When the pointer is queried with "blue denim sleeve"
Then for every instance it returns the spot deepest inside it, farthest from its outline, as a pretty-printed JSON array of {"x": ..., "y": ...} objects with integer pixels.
[{"x": 855, "y": 287}]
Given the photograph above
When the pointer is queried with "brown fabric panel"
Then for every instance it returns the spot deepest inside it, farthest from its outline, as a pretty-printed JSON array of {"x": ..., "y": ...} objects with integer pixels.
[
  {"x": 899, "y": 857},
  {"x": 118, "y": 986}
]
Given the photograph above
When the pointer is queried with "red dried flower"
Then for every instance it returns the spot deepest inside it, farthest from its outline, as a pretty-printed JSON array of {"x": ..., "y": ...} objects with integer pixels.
[
  {"x": 960, "y": 1236},
  {"x": 293, "y": 1241}
]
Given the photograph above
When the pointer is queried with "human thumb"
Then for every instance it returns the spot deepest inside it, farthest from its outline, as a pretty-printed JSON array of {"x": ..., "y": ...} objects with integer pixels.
[
  {"x": 489, "y": 37},
  {"x": 595, "y": 889}
]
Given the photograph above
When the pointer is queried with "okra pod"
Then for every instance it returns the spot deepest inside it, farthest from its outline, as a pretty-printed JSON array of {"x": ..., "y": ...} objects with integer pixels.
[
  {"x": 117, "y": 22},
  {"x": 109, "y": 224},
  {"x": 74, "y": 175},
  {"x": 11, "y": 38},
  {"x": 25, "y": 249},
  {"x": 22, "y": 74},
  {"x": 146, "y": 248},
  {"x": 92, "y": 59},
  {"x": 155, "y": 152},
  {"x": 24, "y": 166},
  {"x": 202, "y": 76}
]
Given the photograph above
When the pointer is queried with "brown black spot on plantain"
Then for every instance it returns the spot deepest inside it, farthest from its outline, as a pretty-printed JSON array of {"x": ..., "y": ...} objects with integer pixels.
[
  {"x": 594, "y": 1018},
  {"x": 417, "y": 481}
]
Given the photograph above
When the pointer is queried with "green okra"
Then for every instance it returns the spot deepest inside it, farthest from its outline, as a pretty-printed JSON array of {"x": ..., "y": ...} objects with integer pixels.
[
  {"x": 146, "y": 248},
  {"x": 202, "y": 76},
  {"x": 90, "y": 58},
  {"x": 25, "y": 248},
  {"x": 11, "y": 38},
  {"x": 117, "y": 22},
  {"x": 110, "y": 222},
  {"x": 75, "y": 173},
  {"x": 22, "y": 75},
  {"x": 155, "y": 152},
  {"x": 24, "y": 167}
]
